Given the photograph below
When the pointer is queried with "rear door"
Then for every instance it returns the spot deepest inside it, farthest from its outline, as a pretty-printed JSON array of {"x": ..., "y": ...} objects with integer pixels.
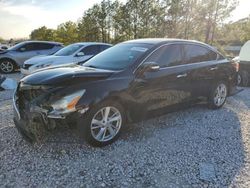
[
  {"x": 45, "y": 48},
  {"x": 203, "y": 66},
  {"x": 169, "y": 85}
]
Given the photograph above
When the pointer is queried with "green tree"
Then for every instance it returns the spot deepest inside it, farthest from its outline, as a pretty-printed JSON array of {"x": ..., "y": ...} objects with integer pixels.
[
  {"x": 1, "y": 40},
  {"x": 212, "y": 13},
  {"x": 43, "y": 33},
  {"x": 67, "y": 33},
  {"x": 88, "y": 28},
  {"x": 235, "y": 31},
  {"x": 113, "y": 21},
  {"x": 139, "y": 19}
]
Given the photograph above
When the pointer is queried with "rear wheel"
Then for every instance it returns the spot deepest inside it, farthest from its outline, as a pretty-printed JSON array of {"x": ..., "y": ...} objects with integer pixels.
[
  {"x": 7, "y": 66},
  {"x": 103, "y": 124},
  {"x": 218, "y": 95}
]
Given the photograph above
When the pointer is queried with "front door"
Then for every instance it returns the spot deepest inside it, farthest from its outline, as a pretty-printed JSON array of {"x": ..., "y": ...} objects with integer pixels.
[{"x": 169, "y": 85}]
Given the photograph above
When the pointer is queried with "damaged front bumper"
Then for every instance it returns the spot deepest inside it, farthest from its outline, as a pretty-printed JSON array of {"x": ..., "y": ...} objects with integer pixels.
[
  {"x": 32, "y": 121},
  {"x": 30, "y": 125}
]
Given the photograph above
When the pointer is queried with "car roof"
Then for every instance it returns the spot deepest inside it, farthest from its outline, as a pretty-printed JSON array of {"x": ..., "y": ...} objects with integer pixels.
[
  {"x": 157, "y": 41},
  {"x": 37, "y": 41},
  {"x": 92, "y": 43}
]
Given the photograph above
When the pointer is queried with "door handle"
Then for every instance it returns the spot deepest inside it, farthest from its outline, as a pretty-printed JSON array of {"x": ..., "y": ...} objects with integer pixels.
[
  {"x": 213, "y": 68},
  {"x": 181, "y": 75}
]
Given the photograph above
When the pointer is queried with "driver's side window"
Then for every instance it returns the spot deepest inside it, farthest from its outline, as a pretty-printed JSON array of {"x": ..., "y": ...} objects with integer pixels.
[{"x": 167, "y": 56}]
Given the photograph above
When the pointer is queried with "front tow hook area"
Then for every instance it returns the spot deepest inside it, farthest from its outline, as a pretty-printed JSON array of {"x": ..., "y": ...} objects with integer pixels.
[
  {"x": 29, "y": 137},
  {"x": 32, "y": 130}
]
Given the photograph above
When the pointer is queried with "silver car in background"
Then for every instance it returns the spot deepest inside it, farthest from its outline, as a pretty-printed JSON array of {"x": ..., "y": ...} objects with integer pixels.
[
  {"x": 76, "y": 53},
  {"x": 15, "y": 56}
]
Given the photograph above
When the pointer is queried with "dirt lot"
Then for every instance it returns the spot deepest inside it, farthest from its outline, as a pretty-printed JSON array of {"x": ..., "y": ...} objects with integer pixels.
[{"x": 191, "y": 148}]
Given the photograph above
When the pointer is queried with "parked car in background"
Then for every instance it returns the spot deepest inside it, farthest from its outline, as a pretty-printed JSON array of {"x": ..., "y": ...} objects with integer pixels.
[
  {"x": 15, "y": 56},
  {"x": 71, "y": 54},
  {"x": 244, "y": 61},
  {"x": 3, "y": 47},
  {"x": 128, "y": 80}
]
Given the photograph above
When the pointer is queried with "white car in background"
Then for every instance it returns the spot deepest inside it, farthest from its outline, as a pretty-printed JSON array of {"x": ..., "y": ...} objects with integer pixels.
[{"x": 72, "y": 54}]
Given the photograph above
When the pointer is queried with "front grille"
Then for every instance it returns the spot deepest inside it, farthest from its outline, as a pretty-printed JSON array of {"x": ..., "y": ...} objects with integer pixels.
[
  {"x": 26, "y": 66},
  {"x": 29, "y": 95}
]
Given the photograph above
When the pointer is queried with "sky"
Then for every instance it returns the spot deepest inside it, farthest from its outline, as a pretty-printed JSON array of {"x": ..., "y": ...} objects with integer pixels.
[{"x": 19, "y": 17}]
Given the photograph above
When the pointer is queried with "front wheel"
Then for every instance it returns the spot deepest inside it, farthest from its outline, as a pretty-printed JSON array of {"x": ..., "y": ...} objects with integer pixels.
[
  {"x": 103, "y": 124},
  {"x": 218, "y": 95},
  {"x": 7, "y": 66}
]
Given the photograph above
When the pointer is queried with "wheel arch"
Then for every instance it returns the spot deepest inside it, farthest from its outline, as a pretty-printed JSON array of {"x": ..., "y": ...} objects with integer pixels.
[{"x": 123, "y": 103}]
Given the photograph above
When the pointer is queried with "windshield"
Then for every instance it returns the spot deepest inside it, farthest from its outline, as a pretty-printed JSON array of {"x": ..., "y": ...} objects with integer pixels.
[
  {"x": 118, "y": 57},
  {"x": 69, "y": 50}
]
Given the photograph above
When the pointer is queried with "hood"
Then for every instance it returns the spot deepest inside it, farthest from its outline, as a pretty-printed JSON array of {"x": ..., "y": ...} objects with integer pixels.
[
  {"x": 66, "y": 75},
  {"x": 57, "y": 66},
  {"x": 47, "y": 59}
]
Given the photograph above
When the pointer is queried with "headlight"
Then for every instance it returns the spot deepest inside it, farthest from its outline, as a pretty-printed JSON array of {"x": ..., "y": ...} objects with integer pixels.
[
  {"x": 67, "y": 103},
  {"x": 44, "y": 65}
]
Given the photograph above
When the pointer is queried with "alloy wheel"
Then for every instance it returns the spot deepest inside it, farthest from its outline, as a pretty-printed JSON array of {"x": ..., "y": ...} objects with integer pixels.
[
  {"x": 106, "y": 124},
  {"x": 220, "y": 94},
  {"x": 6, "y": 66}
]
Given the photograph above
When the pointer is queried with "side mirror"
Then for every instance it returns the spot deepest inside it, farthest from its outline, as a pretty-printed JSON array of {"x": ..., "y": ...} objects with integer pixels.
[{"x": 80, "y": 54}]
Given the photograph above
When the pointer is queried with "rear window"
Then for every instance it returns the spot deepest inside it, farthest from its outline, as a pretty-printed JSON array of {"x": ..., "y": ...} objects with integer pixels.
[
  {"x": 46, "y": 46},
  {"x": 196, "y": 54}
]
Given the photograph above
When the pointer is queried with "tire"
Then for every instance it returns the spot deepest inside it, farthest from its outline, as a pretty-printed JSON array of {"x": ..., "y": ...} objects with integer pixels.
[
  {"x": 239, "y": 79},
  {"x": 100, "y": 135},
  {"x": 244, "y": 78},
  {"x": 218, "y": 95},
  {"x": 7, "y": 66}
]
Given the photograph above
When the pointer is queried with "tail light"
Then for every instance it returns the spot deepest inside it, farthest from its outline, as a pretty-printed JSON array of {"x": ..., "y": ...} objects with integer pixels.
[{"x": 236, "y": 65}]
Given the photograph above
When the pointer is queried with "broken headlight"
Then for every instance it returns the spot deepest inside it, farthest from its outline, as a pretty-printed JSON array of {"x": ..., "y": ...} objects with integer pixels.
[
  {"x": 67, "y": 103},
  {"x": 44, "y": 65}
]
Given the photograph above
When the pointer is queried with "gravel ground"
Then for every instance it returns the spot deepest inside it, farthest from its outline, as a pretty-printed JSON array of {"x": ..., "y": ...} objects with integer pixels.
[{"x": 195, "y": 147}]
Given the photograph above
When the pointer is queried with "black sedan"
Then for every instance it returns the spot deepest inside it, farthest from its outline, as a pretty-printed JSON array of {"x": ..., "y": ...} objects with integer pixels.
[{"x": 122, "y": 83}]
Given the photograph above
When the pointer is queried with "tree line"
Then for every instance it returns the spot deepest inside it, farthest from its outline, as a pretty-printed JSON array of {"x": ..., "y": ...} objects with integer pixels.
[{"x": 113, "y": 22}]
